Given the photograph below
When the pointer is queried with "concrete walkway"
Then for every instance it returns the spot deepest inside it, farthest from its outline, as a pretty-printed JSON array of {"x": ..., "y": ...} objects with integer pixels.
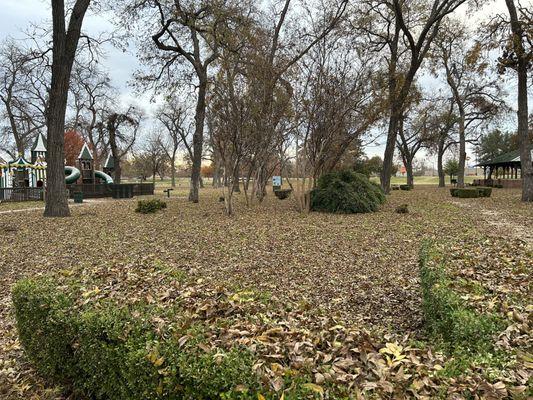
[{"x": 71, "y": 204}]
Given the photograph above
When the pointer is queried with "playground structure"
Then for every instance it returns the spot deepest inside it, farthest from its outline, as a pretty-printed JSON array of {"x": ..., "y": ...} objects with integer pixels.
[{"x": 22, "y": 180}]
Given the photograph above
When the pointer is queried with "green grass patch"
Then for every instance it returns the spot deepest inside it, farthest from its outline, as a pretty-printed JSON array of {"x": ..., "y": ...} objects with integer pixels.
[{"x": 462, "y": 332}]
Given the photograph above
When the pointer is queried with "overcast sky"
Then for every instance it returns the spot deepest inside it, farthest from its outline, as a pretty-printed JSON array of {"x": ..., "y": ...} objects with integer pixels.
[{"x": 17, "y": 15}]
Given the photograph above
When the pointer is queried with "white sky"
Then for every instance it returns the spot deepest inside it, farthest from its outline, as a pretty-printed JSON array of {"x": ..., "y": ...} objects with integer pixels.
[{"x": 16, "y": 16}]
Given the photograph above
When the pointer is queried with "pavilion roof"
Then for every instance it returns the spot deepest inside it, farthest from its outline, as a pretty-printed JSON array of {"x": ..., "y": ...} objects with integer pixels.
[{"x": 510, "y": 158}]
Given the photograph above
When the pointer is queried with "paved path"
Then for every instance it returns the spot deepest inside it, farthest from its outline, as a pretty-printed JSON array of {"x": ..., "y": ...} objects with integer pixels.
[{"x": 86, "y": 202}]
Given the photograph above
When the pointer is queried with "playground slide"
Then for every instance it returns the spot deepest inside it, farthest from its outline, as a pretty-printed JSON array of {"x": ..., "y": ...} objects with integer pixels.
[
  {"x": 72, "y": 175},
  {"x": 103, "y": 176}
]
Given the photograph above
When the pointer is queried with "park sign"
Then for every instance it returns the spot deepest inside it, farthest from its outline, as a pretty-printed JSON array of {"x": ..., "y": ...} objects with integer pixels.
[{"x": 276, "y": 182}]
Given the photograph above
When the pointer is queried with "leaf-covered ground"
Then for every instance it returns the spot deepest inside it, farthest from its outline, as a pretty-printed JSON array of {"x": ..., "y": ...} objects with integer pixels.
[{"x": 341, "y": 292}]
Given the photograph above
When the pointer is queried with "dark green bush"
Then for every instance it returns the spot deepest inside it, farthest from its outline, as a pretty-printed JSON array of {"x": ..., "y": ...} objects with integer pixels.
[
  {"x": 446, "y": 316},
  {"x": 484, "y": 191},
  {"x": 471, "y": 192},
  {"x": 46, "y": 328},
  {"x": 346, "y": 192},
  {"x": 150, "y": 206},
  {"x": 406, "y": 187},
  {"x": 464, "y": 193},
  {"x": 282, "y": 194},
  {"x": 111, "y": 352},
  {"x": 402, "y": 209}
]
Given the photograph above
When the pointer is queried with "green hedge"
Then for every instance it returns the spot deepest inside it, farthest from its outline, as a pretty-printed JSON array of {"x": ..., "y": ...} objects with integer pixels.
[
  {"x": 447, "y": 318},
  {"x": 150, "y": 206},
  {"x": 113, "y": 352},
  {"x": 282, "y": 194},
  {"x": 471, "y": 192},
  {"x": 346, "y": 192},
  {"x": 484, "y": 191}
]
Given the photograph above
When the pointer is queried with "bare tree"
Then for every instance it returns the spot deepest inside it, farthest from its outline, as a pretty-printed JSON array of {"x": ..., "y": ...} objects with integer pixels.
[
  {"x": 65, "y": 43},
  {"x": 518, "y": 56},
  {"x": 91, "y": 97},
  {"x": 153, "y": 155},
  {"x": 414, "y": 134},
  {"x": 272, "y": 64},
  {"x": 442, "y": 123},
  {"x": 406, "y": 30},
  {"x": 122, "y": 129},
  {"x": 172, "y": 116},
  {"x": 476, "y": 92},
  {"x": 336, "y": 103},
  {"x": 191, "y": 32},
  {"x": 23, "y": 94}
]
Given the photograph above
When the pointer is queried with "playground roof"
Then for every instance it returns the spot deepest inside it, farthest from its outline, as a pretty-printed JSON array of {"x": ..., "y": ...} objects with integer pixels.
[
  {"x": 110, "y": 162},
  {"x": 20, "y": 162},
  {"x": 85, "y": 153},
  {"x": 39, "y": 145}
]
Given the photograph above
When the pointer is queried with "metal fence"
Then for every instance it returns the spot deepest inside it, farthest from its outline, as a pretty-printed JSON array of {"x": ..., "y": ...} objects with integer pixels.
[
  {"x": 93, "y": 191},
  {"x": 143, "y": 189},
  {"x": 21, "y": 194}
]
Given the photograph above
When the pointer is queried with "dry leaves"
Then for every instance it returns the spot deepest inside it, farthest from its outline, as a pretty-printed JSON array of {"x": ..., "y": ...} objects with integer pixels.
[{"x": 335, "y": 298}]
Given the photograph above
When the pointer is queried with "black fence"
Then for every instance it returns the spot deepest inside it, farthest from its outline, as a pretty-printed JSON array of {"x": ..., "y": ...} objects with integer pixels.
[
  {"x": 143, "y": 189},
  {"x": 90, "y": 191},
  {"x": 94, "y": 191},
  {"x": 21, "y": 194}
]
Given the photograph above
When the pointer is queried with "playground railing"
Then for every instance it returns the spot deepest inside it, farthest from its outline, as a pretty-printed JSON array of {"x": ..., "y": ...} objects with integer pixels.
[{"x": 21, "y": 194}]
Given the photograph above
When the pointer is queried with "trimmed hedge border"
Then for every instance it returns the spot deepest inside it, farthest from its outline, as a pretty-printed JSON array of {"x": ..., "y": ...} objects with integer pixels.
[
  {"x": 114, "y": 353},
  {"x": 447, "y": 318},
  {"x": 471, "y": 192}
]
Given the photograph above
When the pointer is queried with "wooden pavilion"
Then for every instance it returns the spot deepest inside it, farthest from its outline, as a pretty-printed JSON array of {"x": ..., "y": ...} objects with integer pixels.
[{"x": 504, "y": 170}]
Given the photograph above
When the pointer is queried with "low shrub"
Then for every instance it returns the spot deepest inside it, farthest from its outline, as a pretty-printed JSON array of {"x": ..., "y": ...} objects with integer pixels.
[
  {"x": 471, "y": 192},
  {"x": 150, "y": 206},
  {"x": 406, "y": 187},
  {"x": 402, "y": 209},
  {"x": 484, "y": 191},
  {"x": 108, "y": 352},
  {"x": 346, "y": 192},
  {"x": 282, "y": 194},
  {"x": 447, "y": 318}
]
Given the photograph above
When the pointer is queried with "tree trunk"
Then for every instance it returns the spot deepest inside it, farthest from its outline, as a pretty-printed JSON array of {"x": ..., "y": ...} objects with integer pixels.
[
  {"x": 118, "y": 171},
  {"x": 198, "y": 141},
  {"x": 523, "y": 134},
  {"x": 525, "y": 147},
  {"x": 388, "y": 157},
  {"x": 235, "y": 179},
  {"x": 409, "y": 170},
  {"x": 462, "y": 152},
  {"x": 173, "y": 170},
  {"x": 64, "y": 48},
  {"x": 440, "y": 168}
]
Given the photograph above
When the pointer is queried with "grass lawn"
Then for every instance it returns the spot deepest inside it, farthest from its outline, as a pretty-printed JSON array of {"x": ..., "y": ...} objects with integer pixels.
[{"x": 342, "y": 273}]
